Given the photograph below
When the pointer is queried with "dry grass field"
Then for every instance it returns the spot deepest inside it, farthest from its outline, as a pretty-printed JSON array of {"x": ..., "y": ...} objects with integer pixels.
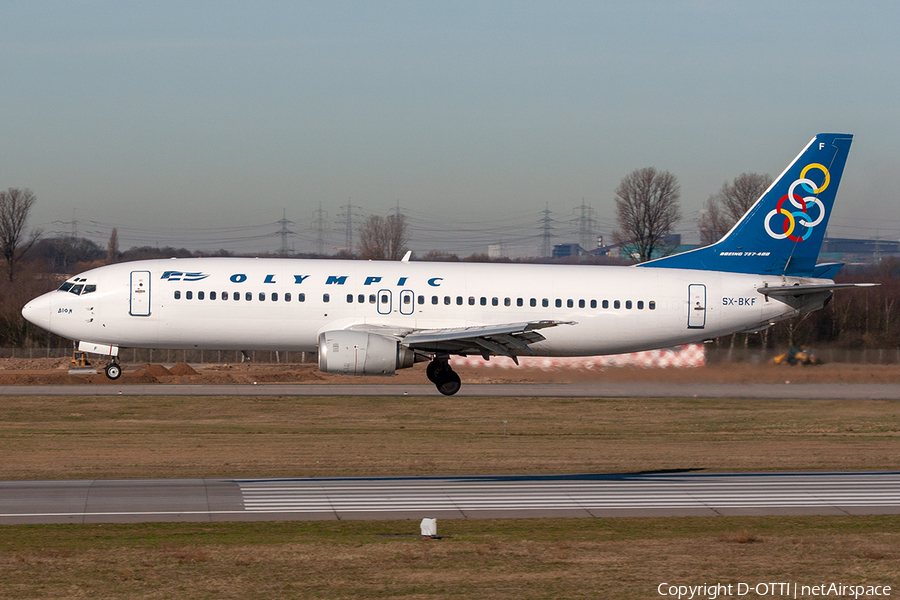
[
  {"x": 127, "y": 436},
  {"x": 86, "y": 437}
]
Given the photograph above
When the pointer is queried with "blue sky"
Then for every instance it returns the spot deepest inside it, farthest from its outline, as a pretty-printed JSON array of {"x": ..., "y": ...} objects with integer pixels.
[{"x": 187, "y": 117}]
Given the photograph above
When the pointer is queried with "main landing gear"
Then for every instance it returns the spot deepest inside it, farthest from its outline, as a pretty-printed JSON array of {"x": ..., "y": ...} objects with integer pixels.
[
  {"x": 442, "y": 376},
  {"x": 113, "y": 370}
]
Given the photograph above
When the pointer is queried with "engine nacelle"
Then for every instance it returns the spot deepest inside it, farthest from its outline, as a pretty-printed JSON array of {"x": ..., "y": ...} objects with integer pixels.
[{"x": 348, "y": 352}]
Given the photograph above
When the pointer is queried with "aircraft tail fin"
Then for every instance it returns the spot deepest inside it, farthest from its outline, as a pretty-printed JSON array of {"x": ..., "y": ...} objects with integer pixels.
[{"x": 782, "y": 232}]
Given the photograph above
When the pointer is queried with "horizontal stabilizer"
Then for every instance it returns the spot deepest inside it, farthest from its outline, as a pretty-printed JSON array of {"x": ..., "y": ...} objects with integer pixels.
[{"x": 801, "y": 290}]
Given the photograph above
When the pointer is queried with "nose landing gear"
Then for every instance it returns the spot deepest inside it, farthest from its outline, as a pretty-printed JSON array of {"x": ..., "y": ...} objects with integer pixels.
[
  {"x": 442, "y": 376},
  {"x": 113, "y": 370}
]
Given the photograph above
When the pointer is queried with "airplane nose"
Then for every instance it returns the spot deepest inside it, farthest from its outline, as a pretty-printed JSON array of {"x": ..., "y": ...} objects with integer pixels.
[{"x": 38, "y": 311}]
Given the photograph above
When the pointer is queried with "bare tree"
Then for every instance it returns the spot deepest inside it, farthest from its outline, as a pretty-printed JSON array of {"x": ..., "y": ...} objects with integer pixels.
[
  {"x": 15, "y": 204},
  {"x": 383, "y": 238},
  {"x": 725, "y": 208},
  {"x": 112, "y": 248},
  {"x": 647, "y": 210}
]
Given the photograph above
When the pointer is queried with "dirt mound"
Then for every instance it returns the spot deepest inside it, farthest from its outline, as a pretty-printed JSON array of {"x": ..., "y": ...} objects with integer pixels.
[
  {"x": 182, "y": 369},
  {"x": 141, "y": 376},
  {"x": 157, "y": 370}
]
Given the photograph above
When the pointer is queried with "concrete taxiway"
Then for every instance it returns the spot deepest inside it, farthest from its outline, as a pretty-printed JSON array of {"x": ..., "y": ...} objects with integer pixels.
[
  {"x": 636, "y": 389},
  {"x": 591, "y": 495}
]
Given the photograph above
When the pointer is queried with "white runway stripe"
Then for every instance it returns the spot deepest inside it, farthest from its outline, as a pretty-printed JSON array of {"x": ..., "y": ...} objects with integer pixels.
[{"x": 638, "y": 492}]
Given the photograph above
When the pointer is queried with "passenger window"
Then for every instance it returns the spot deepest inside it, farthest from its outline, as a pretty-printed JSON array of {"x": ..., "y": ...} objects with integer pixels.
[
  {"x": 628, "y": 304},
  {"x": 224, "y": 295},
  {"x": 606, "y": 304},
  {"x": 201, "y": 295},
  {"x": 434, "y": 299},
  {"x": 349, "y": 298},
  {"x": 447, "y": 300},
  {"x": 236, "y": 296},
  {"x": 558, "y": 303},
  {"x": 520, "y": 302},
  {"x": 640, "y": 305},
  {"x": 471, "y": 300},
  {"x": 301, "y": 297},
  {"x": 177, "y": 294},
  {"x": 570, "y": 303},
  {"x": 593, "y": 304},
  {"x": 407, "y": 299},
  {"x": 422, "y": 300},
  {"x": 495, "y": 302},
  {"x": 507, "y": 302},
  {"x": 88, "y": 288},
  {"x": 262, "y": 296},
  {"x": 533, "y": 302},
  {"x": 326, "y": 297},
  {"x": 248, "y": 296},
  {"x": 274, "y": 296},
  {"x": 652, "y": 305},
  {"x": 617, "y": 304},
  {"x": 189, "y": 295},
  {"x": 361, "y": 298},
  {"x": 459, "y": 300},
  {"x": 371, "y": 298},
  {"x": 581, "y": 304},
  {"x": 384, "y": 299},
  {"x": 483, "y": 301},
  {"x": 212, "y": 295},
  {"x": 287, "y": 296},
  {"x": 545, "y": 303}
]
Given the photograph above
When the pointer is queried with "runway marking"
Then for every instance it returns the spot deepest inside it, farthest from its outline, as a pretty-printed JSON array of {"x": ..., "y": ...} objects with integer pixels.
[{"x": 709, "y": 492}]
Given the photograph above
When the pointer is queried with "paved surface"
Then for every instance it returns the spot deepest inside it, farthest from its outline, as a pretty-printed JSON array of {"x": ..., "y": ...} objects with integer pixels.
[
  {"x": 648, "y": 494},
  {"x": 821, "y": 391}
]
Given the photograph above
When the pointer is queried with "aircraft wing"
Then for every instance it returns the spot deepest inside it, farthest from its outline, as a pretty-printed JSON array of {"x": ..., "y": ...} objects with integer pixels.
[
  {"x": 486, "y": 340},
  {"x": 802, "y": 290}
]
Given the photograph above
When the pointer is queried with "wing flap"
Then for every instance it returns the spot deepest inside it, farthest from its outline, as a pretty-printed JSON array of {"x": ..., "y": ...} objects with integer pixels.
[{"x": 501, "y": 340}]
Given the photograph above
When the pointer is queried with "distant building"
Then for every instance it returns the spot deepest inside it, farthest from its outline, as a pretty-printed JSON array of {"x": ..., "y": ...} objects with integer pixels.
[{"x": 567, "y": 250}]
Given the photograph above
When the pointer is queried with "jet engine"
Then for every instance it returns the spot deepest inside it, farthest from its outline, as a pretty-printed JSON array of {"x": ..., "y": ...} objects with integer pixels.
[{"x": 348, "y": 352}]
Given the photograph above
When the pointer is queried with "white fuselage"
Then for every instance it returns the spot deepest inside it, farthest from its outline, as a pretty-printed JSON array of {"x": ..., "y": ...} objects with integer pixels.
[{"x": 284, "y": 304}]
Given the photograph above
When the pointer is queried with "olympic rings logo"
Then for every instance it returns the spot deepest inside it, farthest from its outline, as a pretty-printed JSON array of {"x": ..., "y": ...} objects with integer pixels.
[{"x": 790, "y": 220}]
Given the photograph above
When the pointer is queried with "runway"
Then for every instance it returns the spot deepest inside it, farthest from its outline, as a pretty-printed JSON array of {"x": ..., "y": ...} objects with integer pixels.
[
  {"x": 636, "y": 389},
  {"x": 475, "y": 497}
]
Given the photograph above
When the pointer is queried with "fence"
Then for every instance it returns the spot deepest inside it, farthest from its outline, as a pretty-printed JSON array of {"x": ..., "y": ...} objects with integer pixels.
[
  {"x": 866, "y": 356},
  {"x": 859, "y": 356},
  {"x": 144, "y": 355}
]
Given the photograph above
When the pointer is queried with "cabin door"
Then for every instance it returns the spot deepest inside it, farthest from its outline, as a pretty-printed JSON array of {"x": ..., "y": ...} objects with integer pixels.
[
  {"x": 139, "y": 305},
  {"x": 696, "y": 306}
]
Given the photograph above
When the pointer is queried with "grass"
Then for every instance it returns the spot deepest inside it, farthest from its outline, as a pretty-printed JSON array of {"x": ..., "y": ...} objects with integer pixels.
[
  {"x": 76, "y": 437},
  {"x": 85, "y": 437},
  {"x": 524, "y": 558}
]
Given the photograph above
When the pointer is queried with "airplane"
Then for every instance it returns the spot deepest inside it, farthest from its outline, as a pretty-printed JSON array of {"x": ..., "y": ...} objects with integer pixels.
[{"x": 375, "y": 317}]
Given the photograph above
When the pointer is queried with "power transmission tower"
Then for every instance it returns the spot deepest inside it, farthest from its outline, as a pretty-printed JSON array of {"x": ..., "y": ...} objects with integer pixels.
[
  {"x": 284, "y": 232},
  {"x": 547, "y": 235},
  {"x": 586, "y": 223},
  {"x": 320, "y": 226},
  {"x": 350, "y": 219}
]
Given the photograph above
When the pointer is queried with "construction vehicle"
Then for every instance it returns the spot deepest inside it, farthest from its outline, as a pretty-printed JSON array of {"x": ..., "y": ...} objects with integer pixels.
[
  {"x": 80, "y": 359},
  {"x": 797, "y": 356}
]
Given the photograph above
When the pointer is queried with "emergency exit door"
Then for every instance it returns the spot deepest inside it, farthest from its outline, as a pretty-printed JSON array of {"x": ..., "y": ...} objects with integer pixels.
[
  {"x": 139, "y": 305},
  {"x": 696, "y": 306}
]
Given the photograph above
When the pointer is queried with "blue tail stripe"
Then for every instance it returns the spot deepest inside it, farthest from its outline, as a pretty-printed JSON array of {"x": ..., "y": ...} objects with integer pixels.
[{"x": 782, "y": 232}]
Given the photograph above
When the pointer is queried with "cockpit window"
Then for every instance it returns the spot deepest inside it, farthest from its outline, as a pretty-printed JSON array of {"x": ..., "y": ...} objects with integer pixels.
[
  {"x": 88, "y": 288},
  {"x": 76, "y": 289},
  {"x": 66, "y": 286}
]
